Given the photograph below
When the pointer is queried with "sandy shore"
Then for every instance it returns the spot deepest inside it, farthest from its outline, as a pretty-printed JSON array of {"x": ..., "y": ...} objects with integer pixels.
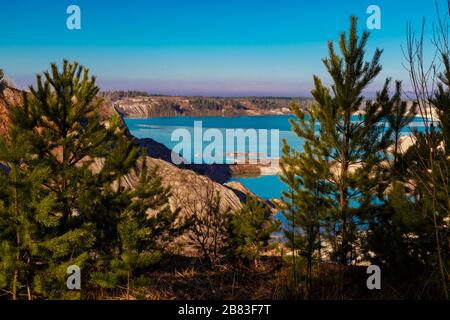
[{"x": 269, "y": 167}]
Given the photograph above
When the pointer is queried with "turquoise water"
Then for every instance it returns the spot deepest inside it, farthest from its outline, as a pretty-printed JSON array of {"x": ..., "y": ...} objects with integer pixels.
[
  {"x": 161, "y": 129},
  {"x": 267, "y": 187},
  {"x": 255, "y": 122}
]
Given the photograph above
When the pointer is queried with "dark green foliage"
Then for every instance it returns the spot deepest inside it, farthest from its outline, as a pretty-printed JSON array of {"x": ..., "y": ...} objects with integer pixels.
[
  {"x": 304, "y": 204},
  {"x": 401, "y": 241},
  {"x": 398, "y": 117},
  {"x": 344, "y": 142},
  {"x": 145, "y": 227},
  {"x": 64, "y": 135},
  {"x": 250, "y": 229},
  {"x": 409, "y": 233},
  {"x": 409, "y": 236},
  {"x": 25, "y": 211},
  {"x": 65, "y": 193},
  {"x": 340, "y": 157},
  {"x": 351, "y": 157}
]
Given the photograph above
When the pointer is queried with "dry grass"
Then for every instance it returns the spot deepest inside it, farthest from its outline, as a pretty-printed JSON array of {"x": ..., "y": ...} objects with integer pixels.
[{"x": 189, "y": 278}]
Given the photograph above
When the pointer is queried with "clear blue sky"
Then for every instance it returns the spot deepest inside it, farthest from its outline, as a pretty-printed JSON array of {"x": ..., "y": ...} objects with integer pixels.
[{"x": 204, "y": 47}]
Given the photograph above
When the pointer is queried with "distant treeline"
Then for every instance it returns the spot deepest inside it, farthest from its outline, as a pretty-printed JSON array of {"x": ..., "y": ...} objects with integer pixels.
[
  {"x": 194, "y": 106},
  {"x": 117, "y": 95}
]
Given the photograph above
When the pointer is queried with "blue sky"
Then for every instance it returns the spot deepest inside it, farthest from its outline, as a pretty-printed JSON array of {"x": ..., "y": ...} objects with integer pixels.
[{"x": 199, "y": 47}]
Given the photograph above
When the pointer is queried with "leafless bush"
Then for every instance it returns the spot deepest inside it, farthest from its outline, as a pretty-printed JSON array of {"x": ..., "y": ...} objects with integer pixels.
[{"x": 206, "y": 218}]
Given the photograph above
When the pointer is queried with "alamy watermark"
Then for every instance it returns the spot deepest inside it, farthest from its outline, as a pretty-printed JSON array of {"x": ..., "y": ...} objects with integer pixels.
[
  {"x": 215, "y": 146},
  {"x": 74, "y": 280},
  {"x": 374, "y": 280},
  {"x": 73, "y": 21},
  {"x": 374, "y": 20}
]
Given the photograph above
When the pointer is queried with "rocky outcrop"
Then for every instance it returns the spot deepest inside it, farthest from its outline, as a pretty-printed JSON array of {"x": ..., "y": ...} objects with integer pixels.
[
  {"x": 180, "y": 180},
  {"x": 218, "y": 172},
  {"x": 154, "y": 106},
  {"x": 190, "y": 186},
  {"x": 9, "y": 97},
  {"x": 187, "y": 187}
]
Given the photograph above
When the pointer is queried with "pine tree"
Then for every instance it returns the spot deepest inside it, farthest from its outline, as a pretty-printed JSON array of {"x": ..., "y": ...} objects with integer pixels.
[
  {"x": 24, "y": 210},
  {"x": 249, "y": 230},
  {"x": 59, "y": 120},
  {"x": 399, "y": 117},
  {"x": 394, "y": 218},
  {"x": 63, "y": 115},
  {"x": 83, "y": 158},
  {"x": 67, "y": 199},
  {"x": 304, "y": 204},
  {"x": 342, "y": 155},
  {"x": 145, "y": 227},
  {"x": 351, "y": 145},
  {"x": 429, "y": 169}
]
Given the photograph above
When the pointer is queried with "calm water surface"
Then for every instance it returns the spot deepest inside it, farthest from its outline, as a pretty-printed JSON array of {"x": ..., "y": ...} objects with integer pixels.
[{"x": 160, "y": 129}]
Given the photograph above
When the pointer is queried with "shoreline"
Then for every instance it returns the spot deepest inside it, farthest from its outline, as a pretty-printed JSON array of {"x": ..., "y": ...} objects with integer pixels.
[
  {"x": 240, "y": 168},
  {"x": 205, "y": 116}
]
